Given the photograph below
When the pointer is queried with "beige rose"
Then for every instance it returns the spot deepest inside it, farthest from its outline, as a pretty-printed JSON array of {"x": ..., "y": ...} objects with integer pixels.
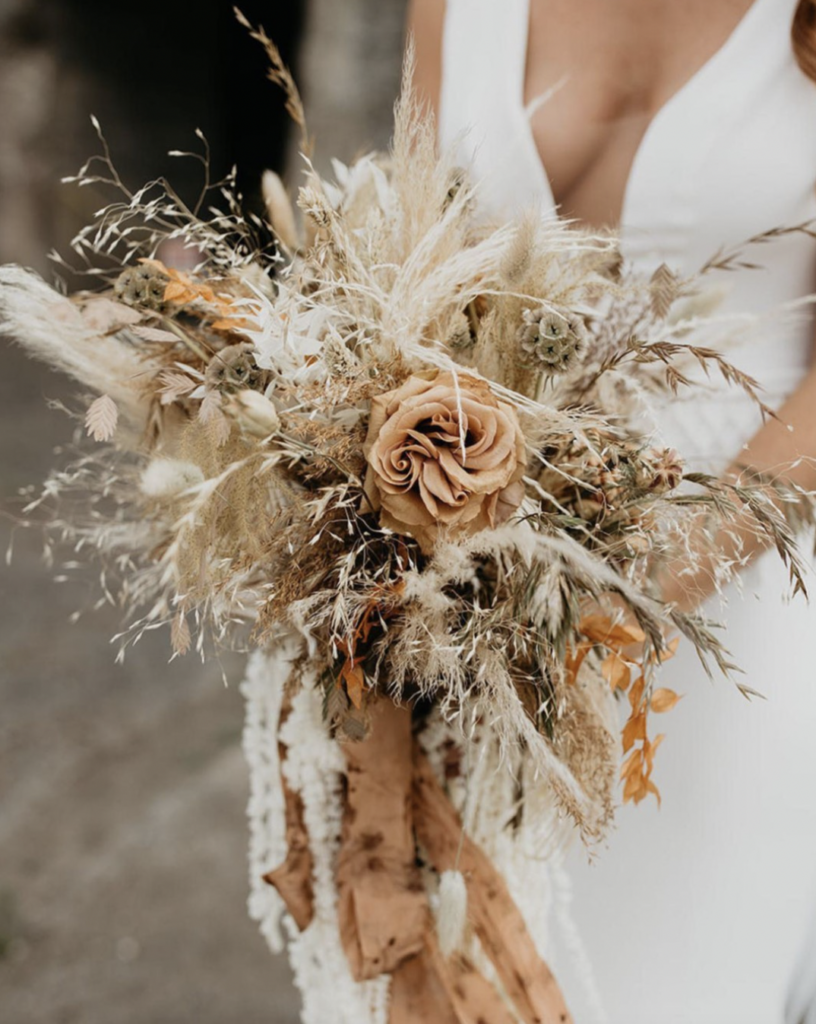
[{"x": 443, "y": 454}]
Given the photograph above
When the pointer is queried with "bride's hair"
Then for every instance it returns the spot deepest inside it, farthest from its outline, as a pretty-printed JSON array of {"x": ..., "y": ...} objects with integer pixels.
[{"x": 803, "y": 34}]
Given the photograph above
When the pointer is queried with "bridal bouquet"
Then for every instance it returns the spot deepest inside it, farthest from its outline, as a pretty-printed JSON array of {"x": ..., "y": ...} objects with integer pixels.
[{"x": 406, "y": 457}]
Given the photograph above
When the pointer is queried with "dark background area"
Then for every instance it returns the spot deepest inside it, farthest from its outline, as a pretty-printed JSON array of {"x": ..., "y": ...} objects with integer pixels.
[{"x": 123, "y": 872}]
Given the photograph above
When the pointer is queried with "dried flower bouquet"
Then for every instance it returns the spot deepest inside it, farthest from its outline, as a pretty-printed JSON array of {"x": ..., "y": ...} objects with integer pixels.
[{"x": 406, "y": 457}]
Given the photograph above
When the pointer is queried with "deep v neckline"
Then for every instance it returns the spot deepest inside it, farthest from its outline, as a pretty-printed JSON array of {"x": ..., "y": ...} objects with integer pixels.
[{"x": 679, "y": 98}]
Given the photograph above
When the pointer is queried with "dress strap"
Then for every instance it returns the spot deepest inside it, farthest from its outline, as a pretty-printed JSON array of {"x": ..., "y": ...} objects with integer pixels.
[{"x": 483, "y": 59}]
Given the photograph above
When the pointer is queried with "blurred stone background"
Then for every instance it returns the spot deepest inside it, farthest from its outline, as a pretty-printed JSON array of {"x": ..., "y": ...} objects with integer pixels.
[{"x": 123, "y": 877}]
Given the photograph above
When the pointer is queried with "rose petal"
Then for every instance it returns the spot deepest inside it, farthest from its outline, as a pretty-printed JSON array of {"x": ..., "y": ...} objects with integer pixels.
[
  {"x": 439, "y": 484},
  {"x": 443, "y": 453}
]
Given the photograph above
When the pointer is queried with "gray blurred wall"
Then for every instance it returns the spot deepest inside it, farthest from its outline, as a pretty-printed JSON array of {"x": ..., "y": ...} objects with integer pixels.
[{"x": 351, "y": 64}]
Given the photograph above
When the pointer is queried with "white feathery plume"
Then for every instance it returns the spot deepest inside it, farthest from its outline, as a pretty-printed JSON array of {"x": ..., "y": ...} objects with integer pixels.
[
  {"x": 51, "y": 328},
  {"x": 279, "y": 210}
]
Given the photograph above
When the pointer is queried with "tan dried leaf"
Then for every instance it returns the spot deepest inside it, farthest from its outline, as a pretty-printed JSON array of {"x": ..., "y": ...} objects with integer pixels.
[
  {"x": 104, "y": 315},
  {"x": 101, "y": 418},
  {"x": 180, "y": 634},
  {"x": 212, "y": 415},
  {"x": 175, "y": 386},
  {"x": 154, "y": 334},
  {"x": 664, "y": 700},
  {"x": 664, "y": 288}
]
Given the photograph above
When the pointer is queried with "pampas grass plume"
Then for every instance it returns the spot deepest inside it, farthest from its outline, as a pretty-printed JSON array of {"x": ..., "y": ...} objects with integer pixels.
[{"x": 279, "y": 210}]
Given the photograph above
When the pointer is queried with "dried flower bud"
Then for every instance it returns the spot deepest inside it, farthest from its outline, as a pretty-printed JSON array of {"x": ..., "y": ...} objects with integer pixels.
[
  {"x": 255, "y": 414},
  {"x": 551, "y": 340},
  {"x": 164, "y": 478},
  {"x": 142, "y": 286},
  {"x": 460, "y": 335},
  {"x": 663, "y": 471},
  {"x": 234, "y": 369}
]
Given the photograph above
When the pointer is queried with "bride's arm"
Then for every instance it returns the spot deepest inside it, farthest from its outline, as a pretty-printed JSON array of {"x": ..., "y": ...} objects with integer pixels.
[
  {"x": 425, "y": 21},
  {"x": 783, "y": 449}
]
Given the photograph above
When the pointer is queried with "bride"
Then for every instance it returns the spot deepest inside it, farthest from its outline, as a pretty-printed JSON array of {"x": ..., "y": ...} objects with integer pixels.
[{"x": 688, "y": 127}]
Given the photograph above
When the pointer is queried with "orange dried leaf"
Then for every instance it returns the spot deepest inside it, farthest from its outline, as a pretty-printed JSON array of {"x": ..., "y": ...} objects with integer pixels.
[
  {"x": 635, "y": 729},
  {"x": 237, "y": 323},
  {"x": 602, "y": 630},
  {"x": 355, "y": 682},
  {"x": 649, "y": 751},
  {"x": 652, "y": 788},
  {"x": 633, "y": 763},
  {"x": 635, "y": 788},
  {"x": 636, "y": 693},
  {"x": 616, "y": 672},
  {"x": 664, "y": 700},
  {"x": 574, "y": 662},
  {"x": 177, "y": 292}
]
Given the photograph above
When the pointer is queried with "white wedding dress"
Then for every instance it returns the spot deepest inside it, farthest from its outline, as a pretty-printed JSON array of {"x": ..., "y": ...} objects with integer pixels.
[{"x": 698, "y": 912}]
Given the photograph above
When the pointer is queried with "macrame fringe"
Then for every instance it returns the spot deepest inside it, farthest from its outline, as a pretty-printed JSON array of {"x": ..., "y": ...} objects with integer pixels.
[{"x": 525, "y": 840}]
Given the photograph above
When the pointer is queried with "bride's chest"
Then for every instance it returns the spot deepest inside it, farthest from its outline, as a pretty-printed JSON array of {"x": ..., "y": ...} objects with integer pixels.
[{"x": 611, "y": 69}]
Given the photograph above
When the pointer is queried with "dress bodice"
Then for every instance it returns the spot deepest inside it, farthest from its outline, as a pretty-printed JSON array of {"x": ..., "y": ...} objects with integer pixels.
[
  {"x": 729, "y": 156},
  {"x": 696, "y": 912}
]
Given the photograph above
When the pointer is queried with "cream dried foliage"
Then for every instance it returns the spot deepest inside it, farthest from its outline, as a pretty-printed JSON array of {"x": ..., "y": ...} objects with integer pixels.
[{"x": 101, "y": 418}]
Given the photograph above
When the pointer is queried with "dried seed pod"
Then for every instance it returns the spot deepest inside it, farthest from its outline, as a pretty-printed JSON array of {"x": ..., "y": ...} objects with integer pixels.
[
  {"x": 255, "y": 414},
  {"x": 339, "y": 359},
  {"x": 234, "y": 369},
  {"x": 551, "y": 341},
  {"x": 460, "y": 334},
  {"x": 142, "y": 286},
  {"x": 662, "y": 471}
]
